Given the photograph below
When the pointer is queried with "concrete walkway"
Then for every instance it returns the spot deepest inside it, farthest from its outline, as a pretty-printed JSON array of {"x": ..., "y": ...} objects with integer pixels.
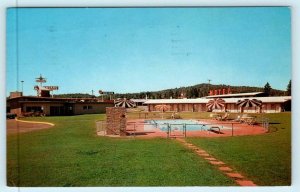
[
  {"x": 20, "y": 126},
  {"x": 225, "y": 169}
]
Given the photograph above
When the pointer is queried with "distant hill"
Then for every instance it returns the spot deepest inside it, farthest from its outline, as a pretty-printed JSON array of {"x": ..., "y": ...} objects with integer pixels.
[
  {"x": 73, "y": 95},
  {"x": 195, "y": 91}
]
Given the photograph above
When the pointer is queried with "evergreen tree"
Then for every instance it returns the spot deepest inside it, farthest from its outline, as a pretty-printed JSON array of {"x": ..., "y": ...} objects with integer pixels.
[
  {"x": 267, "y": 89},
  {"x": 195, "y": 92},
  {"x": 188, "y": 93},
  {"x": 177, "y": 93},
  {"x": 289, "y": 88},
  {"x": 170, "y": 94}
]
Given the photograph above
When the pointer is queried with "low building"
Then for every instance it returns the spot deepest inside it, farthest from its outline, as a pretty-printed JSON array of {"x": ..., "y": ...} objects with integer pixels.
[
  {"x": 139, "y": 102},
  {"x": 57, "y": 106},
  {"x": 268, "y": 104},
  {"x": 237, "y": 95}
]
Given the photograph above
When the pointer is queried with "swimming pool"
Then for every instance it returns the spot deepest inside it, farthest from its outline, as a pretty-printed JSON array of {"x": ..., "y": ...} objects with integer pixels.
[{"x": 179, "y": 124}]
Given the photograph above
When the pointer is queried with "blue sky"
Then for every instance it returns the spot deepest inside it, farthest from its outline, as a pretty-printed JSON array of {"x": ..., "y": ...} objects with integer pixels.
[{"x": 147, "y": 49}]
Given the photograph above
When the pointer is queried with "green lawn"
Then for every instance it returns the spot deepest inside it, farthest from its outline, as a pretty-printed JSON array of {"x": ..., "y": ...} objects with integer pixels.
[
  {"x": 70, "y": 154},
  {"x": 265, "y": 159}
]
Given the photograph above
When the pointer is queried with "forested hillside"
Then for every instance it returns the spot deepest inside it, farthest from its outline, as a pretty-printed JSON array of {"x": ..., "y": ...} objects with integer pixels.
[{"x": 196, "y": 91}]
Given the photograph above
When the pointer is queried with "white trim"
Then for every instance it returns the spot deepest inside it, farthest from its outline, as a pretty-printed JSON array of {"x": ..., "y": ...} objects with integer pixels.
[
  {"x": 279, "y": 99},
  {"x": 234, "y": 95}
]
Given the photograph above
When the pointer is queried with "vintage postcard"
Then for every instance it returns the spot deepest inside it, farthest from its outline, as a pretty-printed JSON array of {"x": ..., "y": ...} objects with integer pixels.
[{"x": 152, "y": 96}]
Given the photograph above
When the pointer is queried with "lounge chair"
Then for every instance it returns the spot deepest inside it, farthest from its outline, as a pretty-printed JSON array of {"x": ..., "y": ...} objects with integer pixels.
[
  {"x": 177, "y": 116},
  {"x": 238, "y": 118},
  {"x": 224, "y": 117},
  {"x": 245, "y": 118},
  {"x": 215, "y": 116},
  {"x": 250, "y": 120}
]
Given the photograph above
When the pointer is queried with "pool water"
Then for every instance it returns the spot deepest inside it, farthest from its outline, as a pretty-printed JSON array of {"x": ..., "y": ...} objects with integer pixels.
[{"x": 178, "y": 124}]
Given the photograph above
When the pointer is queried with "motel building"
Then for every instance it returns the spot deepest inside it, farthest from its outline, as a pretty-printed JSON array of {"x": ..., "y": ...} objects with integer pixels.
[
  {"x": 45, "y": 104},
  {"x": 24, "y": 105},
  {"x": 230, "y": 103}
]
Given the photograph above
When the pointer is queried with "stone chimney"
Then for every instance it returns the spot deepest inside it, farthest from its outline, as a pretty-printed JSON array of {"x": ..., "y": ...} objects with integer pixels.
[{"x": 15, "y": 94}]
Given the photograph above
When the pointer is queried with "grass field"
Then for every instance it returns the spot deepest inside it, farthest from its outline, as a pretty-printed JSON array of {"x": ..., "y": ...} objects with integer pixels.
[
  {"x": 265, "y": 159},
  {"x": 70, "y": 154}
]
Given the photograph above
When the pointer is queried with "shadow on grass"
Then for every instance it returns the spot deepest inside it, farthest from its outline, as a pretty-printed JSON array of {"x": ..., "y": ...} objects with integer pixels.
[
  {"x": 88, "y": 152},
  {"x": 274, "y": 123},
  {"x": 140, "y": 133}
]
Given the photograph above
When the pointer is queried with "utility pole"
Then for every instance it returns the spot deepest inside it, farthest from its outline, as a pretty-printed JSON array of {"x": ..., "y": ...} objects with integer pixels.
[
  {"x": 209, "y": 80},
  {"x": 22, "y": 86}
]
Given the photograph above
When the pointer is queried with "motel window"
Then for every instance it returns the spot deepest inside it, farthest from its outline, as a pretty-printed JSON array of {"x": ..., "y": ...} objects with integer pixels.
[
  {"x": 33, "y": 109},
  {"x": 87, "y": 107}
]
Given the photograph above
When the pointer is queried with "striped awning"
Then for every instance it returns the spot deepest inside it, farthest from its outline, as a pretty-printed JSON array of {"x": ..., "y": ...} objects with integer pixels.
[
  {"x": 215, "y": 104},
  {"x": 124, "y": 103},
  {"x": 249, "y": 103},
  {"x": 162, "y": 107}
]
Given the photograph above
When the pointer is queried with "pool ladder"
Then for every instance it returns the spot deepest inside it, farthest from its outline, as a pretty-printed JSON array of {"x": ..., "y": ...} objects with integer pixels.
[{"x": 154, "y": 123}]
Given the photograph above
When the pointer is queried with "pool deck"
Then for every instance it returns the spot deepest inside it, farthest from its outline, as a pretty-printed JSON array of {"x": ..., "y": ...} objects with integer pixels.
[{"x": 239, "y": 129}]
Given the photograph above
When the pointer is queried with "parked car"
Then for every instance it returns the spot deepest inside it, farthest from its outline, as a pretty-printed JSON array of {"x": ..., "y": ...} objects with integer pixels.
[{"x": 11, "y": 115}]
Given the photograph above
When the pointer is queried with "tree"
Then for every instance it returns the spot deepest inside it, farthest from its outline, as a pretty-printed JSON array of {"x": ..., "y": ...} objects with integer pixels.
[
  {"x": 189, "y": 93},
  {"x": 170, "y": 94},
  {"x": 289, "y": 88},
  {"x": 267, "y": 89},
  {"x": 177, "y": 93},
  {"x": 194, "y": 92}
]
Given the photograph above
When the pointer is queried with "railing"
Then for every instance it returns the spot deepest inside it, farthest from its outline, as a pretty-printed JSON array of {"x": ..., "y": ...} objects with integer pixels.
[
  {"x": 154, "y": 123},
  {"x": 213, "y": 128},
  {"x": 172, "y": 129},
  {"x": 102, "y": 128},
  {"x": 180, "y": 132},
  {"x": 265, "y": 124},
  {"x": 132, "y": 131}
]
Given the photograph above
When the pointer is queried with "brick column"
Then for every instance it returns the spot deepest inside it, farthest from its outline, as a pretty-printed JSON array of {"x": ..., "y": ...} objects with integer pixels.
[{"x": 116, "y": 121}]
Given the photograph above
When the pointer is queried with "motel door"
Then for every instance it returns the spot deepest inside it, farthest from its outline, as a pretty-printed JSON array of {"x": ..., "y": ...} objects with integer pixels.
[
  {"x": 56, "y": 110},
  {"x": 69, "y": 109}
]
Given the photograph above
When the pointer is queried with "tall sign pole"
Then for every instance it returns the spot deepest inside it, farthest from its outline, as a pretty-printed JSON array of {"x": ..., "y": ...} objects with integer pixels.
[
  {"x": 40, "y": 80},
  {"x": 22, "y": 85},
  {"x": 42, "y": 88},
  {"x": 101, "y": 93}
]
